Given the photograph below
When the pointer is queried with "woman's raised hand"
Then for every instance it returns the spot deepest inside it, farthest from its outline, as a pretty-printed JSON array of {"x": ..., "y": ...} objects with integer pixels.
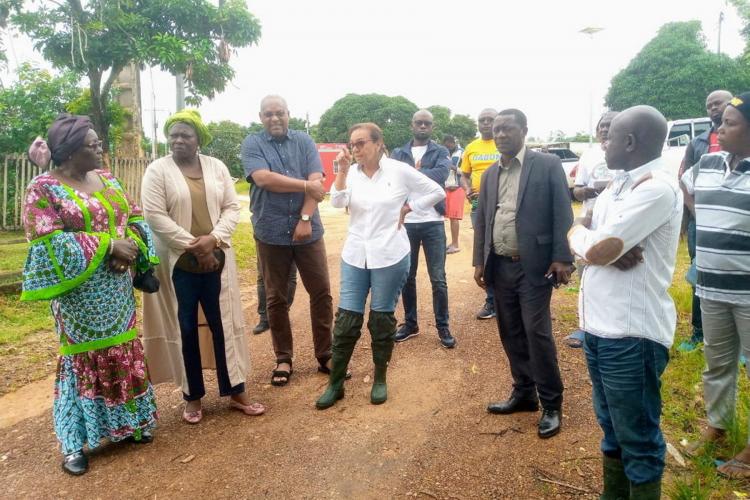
[{"x": 344, "y": 160}]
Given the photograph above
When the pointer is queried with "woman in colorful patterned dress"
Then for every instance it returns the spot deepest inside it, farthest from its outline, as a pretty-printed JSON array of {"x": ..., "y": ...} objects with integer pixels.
[{"x": 85, "y": 237}]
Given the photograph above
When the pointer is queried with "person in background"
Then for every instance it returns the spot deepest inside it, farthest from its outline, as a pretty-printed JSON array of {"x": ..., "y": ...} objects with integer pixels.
[
  {"x": 520, "y": 251},
  {"x": 426, "y": 229},
  {"x": 375, "y": 259},
  {"x": 455, "y": 196},
  {"x": 592, "y": 177},
  {"x": 190, "y": 202},
  {"x": 479, "y": 155},
  {"x": 285, "y": 169},
  {"x": 720, "y": 186},
  {"x": 629, "y": 245},
  {"x": 707, "y": 142},
  {"x": 85, "y": 237}
]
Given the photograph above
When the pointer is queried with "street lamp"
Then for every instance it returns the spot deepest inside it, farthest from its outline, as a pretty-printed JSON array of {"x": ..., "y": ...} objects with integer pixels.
[{"x": 591, "y": 31}]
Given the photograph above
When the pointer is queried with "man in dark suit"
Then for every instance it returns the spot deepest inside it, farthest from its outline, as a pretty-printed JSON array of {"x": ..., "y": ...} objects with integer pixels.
[{"x": 521, "y": 250}]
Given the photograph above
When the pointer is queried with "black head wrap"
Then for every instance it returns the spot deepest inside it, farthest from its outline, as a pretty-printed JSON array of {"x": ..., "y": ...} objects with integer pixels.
[
  {"x": 66, "y": 135},
  {"x": 742, "y": 104}
]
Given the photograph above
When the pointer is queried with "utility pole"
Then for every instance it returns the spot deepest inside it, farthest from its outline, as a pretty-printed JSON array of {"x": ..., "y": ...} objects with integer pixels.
[
  {"x": 590, "y": 31},
  {"x": 718, "y": 43}
]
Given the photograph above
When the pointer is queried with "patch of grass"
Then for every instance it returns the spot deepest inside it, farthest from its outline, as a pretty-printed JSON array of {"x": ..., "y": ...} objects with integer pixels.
[
  {"x": 244, "y": 246},
  {"x": 11, "y": 236},
  {"x": 242, "y": 187},
  {"x": 13, "y": 257},
  {"x": 20, "y": 319}
]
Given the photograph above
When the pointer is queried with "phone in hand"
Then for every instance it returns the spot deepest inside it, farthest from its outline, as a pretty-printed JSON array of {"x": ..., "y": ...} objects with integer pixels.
[{"x": 552, "y": 277}]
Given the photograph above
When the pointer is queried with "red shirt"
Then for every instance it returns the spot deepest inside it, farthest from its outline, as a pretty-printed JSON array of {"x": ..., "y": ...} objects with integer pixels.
[{"x": 713, "y": 142}]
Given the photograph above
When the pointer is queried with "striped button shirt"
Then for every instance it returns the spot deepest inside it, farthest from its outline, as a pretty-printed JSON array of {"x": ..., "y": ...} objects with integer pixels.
[{"x": 722, "y": 215}]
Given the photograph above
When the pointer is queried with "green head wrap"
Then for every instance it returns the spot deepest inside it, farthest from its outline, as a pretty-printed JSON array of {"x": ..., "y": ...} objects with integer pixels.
[{"x": 193, "y": 118}]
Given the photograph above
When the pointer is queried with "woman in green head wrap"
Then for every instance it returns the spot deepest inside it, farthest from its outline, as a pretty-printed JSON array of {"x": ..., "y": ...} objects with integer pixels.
[
  {"x": 192, "y": 118},
  {"x": 190, "y": 203}
]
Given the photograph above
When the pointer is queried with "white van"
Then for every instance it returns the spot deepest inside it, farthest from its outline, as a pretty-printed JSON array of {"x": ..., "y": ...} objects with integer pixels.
[{"x": 681, "y": 132}]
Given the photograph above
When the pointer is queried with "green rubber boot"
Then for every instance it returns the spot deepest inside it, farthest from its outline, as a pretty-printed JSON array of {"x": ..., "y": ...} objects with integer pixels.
[
  {"x": 646, "y": 491},
  {"x": 616, "y": 484},
  {"x": 346, "y": 332},
  {"x": 382, "y": 326}
]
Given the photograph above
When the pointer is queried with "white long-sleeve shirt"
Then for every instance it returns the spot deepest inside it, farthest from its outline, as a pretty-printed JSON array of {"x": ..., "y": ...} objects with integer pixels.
[
  {"x": 641, "y": 207},
  {"x": 375, "y": 240}
]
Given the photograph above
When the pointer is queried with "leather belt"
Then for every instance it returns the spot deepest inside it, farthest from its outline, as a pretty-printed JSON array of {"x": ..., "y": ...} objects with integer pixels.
[{"x": 511, "y": 258}]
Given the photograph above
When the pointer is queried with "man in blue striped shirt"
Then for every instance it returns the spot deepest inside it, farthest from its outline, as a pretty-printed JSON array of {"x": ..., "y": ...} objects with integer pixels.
[{"x": 720, "y": 184}]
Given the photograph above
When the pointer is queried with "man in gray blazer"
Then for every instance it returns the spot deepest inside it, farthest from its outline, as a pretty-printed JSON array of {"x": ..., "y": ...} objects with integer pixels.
[{"x": 521, "y": 251}]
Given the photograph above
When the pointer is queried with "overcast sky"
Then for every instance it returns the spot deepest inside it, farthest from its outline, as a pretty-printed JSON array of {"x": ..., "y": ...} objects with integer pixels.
[{"x": 465, "y": 55}]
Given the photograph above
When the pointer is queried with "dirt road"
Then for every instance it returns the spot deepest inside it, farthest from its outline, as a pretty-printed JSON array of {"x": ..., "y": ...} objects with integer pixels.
[{"x": 432, "y": 439}]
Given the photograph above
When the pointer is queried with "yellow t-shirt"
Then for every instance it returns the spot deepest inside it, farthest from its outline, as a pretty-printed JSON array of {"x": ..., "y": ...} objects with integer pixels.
[{"x": 479, "y": 155}]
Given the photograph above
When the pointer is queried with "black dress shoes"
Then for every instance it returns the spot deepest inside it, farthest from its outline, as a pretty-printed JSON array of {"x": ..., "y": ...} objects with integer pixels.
[
  {"x": 75, "y": 463},
  {"x": 261, "y": 327},
  {"x": 514, "y": 404},
  {"x": 549, "y": 424}
]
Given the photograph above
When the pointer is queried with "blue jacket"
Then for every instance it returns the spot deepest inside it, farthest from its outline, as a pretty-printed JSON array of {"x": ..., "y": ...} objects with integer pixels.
[{"x": 436, "y": 164}]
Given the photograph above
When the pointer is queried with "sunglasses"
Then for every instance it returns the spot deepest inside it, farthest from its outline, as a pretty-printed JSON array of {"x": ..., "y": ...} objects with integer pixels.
[{"x": 359, "y": 144}]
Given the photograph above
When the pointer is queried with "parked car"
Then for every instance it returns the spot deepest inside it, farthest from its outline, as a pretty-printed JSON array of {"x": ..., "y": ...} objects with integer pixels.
[
  {"x": 681, "y": 132},
  {"x": 569, "y": 162}
]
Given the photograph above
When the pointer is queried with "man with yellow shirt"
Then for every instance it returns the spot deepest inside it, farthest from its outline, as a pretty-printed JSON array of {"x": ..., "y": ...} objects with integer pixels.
[{"x": 479, "y": 155}]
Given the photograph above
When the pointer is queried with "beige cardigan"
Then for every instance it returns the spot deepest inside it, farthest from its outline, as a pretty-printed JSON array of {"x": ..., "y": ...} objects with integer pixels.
[{"x": 167, "y": 208}]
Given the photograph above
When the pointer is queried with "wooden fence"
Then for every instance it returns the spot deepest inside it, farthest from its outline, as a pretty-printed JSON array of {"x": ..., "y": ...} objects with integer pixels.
[{"x": 17, "y": 171}]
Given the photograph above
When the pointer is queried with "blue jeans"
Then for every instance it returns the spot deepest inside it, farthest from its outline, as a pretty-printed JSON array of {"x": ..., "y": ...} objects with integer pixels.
[
  {"x": 190, "y": 290},
  {"x": 490, "y": 297},
  {"x": 626, "y": 379},
  {"x": 430, "y": 236},
  {"x": 384, "y": 285}
]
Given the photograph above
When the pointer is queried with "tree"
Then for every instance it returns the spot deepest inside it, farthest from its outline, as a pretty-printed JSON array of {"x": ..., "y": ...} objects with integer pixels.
[
  {"x": 392, "y": 114},
  {"x": 463, "y": 128},
  {"x": 29, "y": 106},
  {"x": 99, "y": 38},
  {"x": 228, "y": 137},
  {"x": 674, "y": 73}
]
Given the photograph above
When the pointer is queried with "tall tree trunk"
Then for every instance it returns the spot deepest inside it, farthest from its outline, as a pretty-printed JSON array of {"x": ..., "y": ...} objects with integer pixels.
[{"x": 98, "y": 112}]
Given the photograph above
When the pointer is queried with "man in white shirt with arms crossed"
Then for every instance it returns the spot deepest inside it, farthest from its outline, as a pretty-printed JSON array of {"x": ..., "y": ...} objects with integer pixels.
[{"x": 629, "y": 247}]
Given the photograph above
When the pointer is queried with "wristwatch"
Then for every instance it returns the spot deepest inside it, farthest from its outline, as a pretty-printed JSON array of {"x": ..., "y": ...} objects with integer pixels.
[{"x": 304, "y": 218}]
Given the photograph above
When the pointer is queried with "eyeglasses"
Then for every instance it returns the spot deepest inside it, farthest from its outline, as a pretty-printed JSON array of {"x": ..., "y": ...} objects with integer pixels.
[
  {"x": 420, "y": 123},
  {"x": 359, "y": 144},
  {"x": 94, "y": 145}
]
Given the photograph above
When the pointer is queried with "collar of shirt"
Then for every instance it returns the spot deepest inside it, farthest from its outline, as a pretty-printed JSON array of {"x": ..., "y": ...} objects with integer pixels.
[
  {"x": 520, "y": 157},
  {"x": 378, "y": 172},
  {"x": 626, "y": 178},
  {"x": 268, "y": 137}
]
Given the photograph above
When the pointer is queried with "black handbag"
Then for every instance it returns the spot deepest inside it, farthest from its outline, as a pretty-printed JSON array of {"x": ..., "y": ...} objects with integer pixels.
[
  {"x": 145, "y": 281},
  {"x": 188, "y": 263}
]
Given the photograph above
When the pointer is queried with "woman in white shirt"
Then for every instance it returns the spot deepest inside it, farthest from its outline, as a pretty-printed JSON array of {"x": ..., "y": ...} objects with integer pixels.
[{"x": 375, "y": 257}]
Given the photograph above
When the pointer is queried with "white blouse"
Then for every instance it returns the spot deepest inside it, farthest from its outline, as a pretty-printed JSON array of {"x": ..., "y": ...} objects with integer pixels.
[{"x": 375, "y": 240}]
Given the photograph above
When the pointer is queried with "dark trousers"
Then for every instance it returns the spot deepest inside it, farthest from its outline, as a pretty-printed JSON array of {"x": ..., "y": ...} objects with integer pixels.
[
  {"x": 430, "y": 236},
  {"x": 626, "y": 383},
  {"x": 261, "y": 287},
  {"x": 311, "y": 261},
  {"x": 697, "y": 318},
  {"x": 525, "y": 324},
  {"x": 192, "y": 289}
]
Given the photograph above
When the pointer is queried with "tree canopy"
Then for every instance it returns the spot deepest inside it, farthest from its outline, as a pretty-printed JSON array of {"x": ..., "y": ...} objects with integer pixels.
[
  {"x": 674, "y": 72},
  {"x": 30, "y": 104},
  {"x": 392, "y": 114},
  {"x": 98, "y": 38}
]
